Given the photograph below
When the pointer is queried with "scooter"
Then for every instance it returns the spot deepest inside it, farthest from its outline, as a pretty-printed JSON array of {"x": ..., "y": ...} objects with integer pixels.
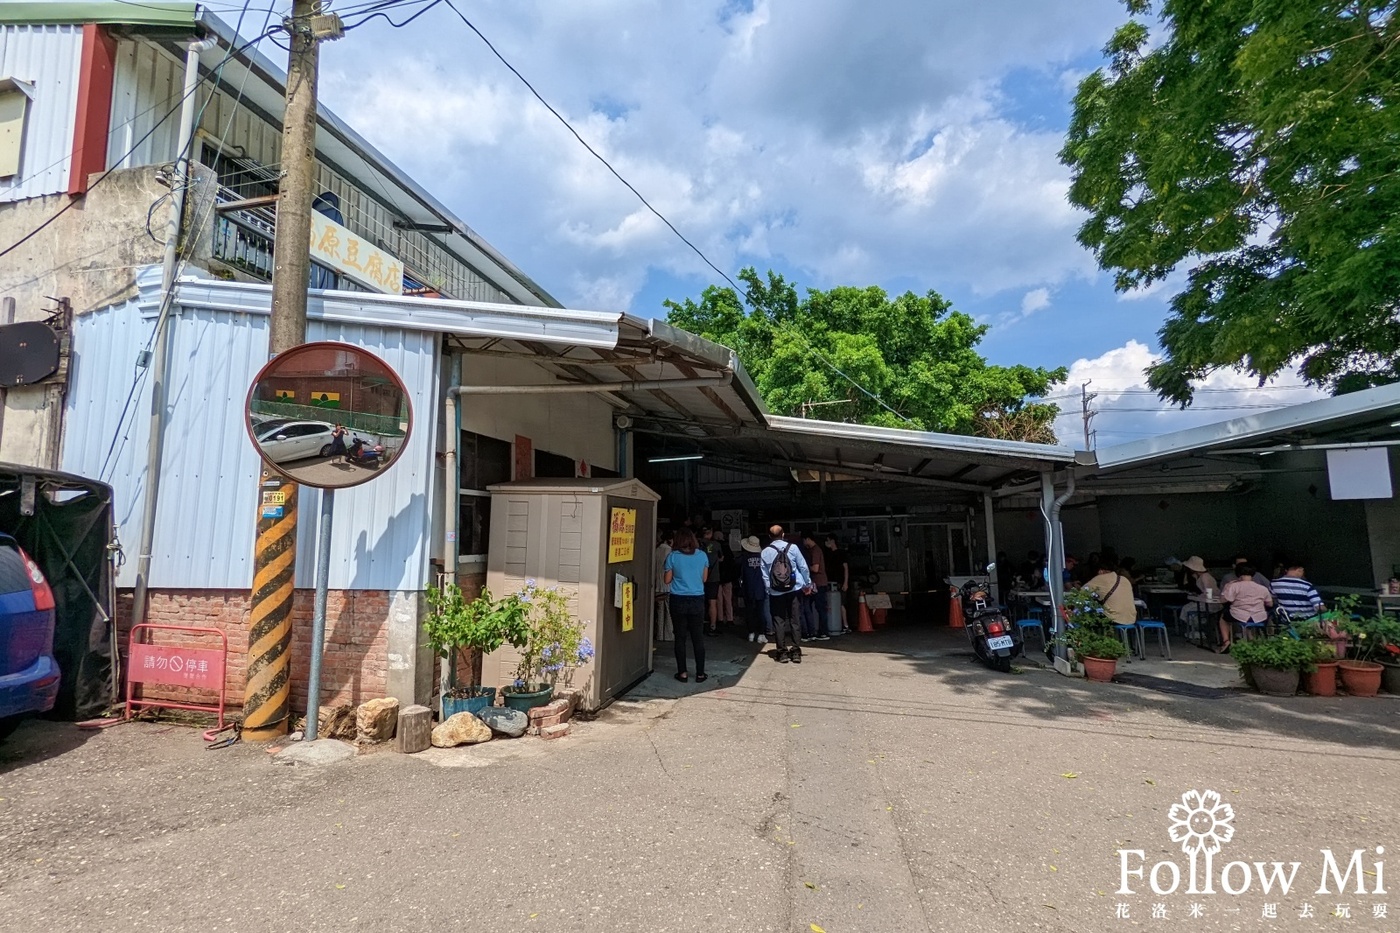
[
  {"x": 361, "y": 455},
  {"x": 995, "y": 641}
]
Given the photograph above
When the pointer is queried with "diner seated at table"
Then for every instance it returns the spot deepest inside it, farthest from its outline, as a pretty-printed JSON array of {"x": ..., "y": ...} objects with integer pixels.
[
  {"x": 1235, "y": 573},
  {"x": 1128, "y": 568},
  {"x": 1114, "y": 591},
  {"x": 1248, "y": 602},
  {"x": 1295, "y": 595}
]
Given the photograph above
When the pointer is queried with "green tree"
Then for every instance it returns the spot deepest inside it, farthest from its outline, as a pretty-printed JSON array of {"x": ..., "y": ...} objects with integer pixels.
[
  {"x": 855, "y": 354},
  {"x": 1257, "y": 145}
]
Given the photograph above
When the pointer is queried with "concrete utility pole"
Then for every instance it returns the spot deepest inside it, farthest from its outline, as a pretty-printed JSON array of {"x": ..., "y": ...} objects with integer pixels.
[
  {"x": 266, "y": 704},
  {"x": 1088, "y": 413}
]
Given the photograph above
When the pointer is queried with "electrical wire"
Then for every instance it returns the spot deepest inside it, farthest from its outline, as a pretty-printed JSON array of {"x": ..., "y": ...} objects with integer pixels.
[
  {"x": 662, "y": 217},
  {"x": 79, "y": 198},
  {"x": 385, "y": 17}
]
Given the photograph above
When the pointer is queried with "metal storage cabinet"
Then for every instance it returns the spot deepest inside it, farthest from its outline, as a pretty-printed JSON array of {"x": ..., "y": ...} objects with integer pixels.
[{"x": 555, "y": 532}]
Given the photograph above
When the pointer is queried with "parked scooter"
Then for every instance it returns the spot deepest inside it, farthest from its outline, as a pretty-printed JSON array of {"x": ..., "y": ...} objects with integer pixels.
[
  {"x": 361, "y": 455},
  {"x": 995, "y": 640}
]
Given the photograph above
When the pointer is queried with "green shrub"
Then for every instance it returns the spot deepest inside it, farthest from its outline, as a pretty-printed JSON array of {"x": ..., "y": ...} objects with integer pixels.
[{"x": 1280, "y": 652}]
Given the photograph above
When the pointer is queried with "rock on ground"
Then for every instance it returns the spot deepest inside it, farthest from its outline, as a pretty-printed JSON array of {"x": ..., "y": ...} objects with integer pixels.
[
  {"x": 336, "y": 722},
  {"x": 461, "y": 729},
  {"x": 375, "y": 720},
  {"x": 505, "y": 721}
]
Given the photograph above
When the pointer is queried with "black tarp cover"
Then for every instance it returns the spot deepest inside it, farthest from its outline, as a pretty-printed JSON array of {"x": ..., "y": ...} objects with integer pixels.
[{"x": 64, "y": 522}]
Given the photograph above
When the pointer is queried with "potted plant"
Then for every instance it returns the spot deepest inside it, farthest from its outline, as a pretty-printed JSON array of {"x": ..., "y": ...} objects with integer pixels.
[
  {"x": 455, "y": 627},
  {"x": 1370, "y": 636},
  {"x": 553, "y": 646},
  {"x": 1275, "y": 662},
  {"x": 1320, "y": 675},
  {"x": 1390, "y": 662},
  {"x": 1089, "y": 634}
]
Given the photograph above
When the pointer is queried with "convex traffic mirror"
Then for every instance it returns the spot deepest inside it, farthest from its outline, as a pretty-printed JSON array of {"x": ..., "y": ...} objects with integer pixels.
[{"x": 329, "y": 415}]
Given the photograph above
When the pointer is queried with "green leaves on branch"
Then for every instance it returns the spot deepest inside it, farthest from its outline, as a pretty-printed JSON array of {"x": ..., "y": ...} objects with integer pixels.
[
  {"x": 455, "y": 625},
  {"x": 858, "y": 355},
  {"x": 1258, "y": 147}
]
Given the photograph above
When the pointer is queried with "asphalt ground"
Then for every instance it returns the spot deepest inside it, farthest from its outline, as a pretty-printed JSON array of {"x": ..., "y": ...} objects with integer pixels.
[{"x": 885, "y": 784}]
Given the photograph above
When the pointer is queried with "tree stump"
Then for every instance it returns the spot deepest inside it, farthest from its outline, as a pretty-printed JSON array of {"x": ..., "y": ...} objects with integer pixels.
[{"x": 415, "y": 731}]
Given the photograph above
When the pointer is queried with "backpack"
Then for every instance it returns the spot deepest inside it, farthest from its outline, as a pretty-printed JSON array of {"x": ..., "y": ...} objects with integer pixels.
[{"x": 780, "y": 576}]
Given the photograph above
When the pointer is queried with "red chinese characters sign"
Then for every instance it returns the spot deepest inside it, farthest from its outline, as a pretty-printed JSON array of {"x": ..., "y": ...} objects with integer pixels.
[{"x": 183, "y": 667}]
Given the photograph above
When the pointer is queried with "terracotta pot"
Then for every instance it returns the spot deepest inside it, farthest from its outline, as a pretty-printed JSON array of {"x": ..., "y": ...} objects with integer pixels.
[
  {"x": 1100, "y": 670},
  {"x": 1361, "y": 678},
  {"x": 1323, "y": 681},
  {"x": 1390, "y": 677},
  {"x": 1277, "y": 682}
]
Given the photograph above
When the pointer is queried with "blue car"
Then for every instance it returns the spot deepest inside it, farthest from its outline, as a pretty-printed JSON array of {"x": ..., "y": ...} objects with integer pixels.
[{"x": 28, "y": 672}]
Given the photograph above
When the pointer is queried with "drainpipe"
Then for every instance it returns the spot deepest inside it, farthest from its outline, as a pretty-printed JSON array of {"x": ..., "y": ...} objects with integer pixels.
[
  {"x": 452, "y": 504},
  {"x": 160, "y": 363},
  {"x": 994, "y": 577},
  {"x": 1055, "y": 559}
]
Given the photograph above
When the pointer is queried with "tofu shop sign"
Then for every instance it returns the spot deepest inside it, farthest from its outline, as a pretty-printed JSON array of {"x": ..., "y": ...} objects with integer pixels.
[
  {"x": 1343, "y": 884},
  {"x": 339, "y": 248}
]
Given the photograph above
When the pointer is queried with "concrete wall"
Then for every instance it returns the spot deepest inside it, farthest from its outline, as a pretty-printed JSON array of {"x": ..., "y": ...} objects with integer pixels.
[
  {"x": 1383, "y": 528},
  {"x": 1152, "y": 528}
]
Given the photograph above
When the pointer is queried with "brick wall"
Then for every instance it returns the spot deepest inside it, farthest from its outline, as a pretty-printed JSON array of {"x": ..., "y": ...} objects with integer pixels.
[{"x": 353, "y": 667}]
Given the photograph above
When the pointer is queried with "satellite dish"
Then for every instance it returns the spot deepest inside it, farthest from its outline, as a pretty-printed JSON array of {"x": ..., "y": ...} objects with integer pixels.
[{"x": 28, "y": 353}]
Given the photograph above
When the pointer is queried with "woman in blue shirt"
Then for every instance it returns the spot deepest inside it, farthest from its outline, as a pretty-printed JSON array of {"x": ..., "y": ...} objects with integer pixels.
[{"x": 687, "y": 569}]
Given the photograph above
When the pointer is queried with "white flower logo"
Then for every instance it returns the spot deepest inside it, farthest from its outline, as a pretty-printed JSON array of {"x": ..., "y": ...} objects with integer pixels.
[{"x": 1202, "y": 822}]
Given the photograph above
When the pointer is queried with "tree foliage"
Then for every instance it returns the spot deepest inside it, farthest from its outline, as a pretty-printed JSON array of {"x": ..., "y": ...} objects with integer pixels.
[
  {"x": 856, "y": 355},
  {"x": 1258, "y": 145}
]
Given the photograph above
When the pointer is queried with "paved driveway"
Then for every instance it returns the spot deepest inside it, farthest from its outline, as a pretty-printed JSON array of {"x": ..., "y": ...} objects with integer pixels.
[{"x": 886, "y": 784}]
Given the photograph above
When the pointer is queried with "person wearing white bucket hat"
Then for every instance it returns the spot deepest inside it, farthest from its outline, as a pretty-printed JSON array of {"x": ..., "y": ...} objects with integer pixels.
[
  {"x": 755, "y": 593},
  {"x": 1205, "y": 591}
]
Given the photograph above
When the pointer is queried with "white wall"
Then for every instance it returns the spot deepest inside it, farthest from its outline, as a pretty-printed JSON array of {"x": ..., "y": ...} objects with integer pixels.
[
  {"x": 206, "y": 520},
  {"x": 577, "y": 426},
  {"x": 49, "y": 58}
]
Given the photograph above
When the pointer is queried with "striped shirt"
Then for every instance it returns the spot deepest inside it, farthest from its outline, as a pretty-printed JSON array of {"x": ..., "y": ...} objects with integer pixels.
[{"x": 1297, "y": 597}]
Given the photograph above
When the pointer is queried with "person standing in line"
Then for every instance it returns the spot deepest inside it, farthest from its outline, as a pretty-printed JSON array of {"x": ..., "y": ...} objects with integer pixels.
[
  {"x": 686, "y": 571},
  {"x": 838, "y": 570},
  {"x": 786, "y": 577},
  {"x": 728, "y": 576},
  {"x": 755, "y": 592},
  {"x": 710, "y": 547},
  {"x": 663, "y": 627},
  {"x": 816, "y": 602}
]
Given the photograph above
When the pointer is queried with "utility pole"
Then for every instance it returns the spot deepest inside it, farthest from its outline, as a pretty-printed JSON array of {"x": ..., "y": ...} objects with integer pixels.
[
  {"x": 267, "y": 696},
  {"x": 1088, "y": 413}
]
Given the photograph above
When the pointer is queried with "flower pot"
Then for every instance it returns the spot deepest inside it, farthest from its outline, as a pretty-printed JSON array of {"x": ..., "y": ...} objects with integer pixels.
[
  {"x": 1276, "y": 682},
  {"x": 1100, "y": 670},
  {"x": 526, "y": 700},
  {"x": 1361, "y": 678},
  {"x": 1339, "y": 646},
  {"x": 474, "y": 704},
  {"x": 1248, "y": 675},
  {"x": 1323, "y": 681},
  {"x": 1390, "y": 677}
]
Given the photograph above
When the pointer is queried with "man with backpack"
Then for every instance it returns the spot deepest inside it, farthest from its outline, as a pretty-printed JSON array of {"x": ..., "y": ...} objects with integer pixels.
[{"x": 786, "y": 576}]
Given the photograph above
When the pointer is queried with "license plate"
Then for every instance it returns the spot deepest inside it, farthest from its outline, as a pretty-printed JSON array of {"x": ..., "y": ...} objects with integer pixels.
[{"x": 1000, "y": 642}]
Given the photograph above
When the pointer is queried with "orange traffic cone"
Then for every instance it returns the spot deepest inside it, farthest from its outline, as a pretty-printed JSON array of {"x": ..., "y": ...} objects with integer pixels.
[
  {"x": 863, "y": 623},
  {"x": 955, "y": 613}
]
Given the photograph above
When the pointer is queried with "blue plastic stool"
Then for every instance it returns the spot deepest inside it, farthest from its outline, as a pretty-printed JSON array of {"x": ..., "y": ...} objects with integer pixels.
[
  {"x": 1123, "y": 632},
  {"x": 1174, "y": 613},
  {"x": 1250, "y": 630},
  {"x": 1163, "y": 642},
  {"x": 1023, "y": 624}
]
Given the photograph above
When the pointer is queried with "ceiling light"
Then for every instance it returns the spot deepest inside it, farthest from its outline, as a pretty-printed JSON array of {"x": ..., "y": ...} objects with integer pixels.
[{"x": 676, "y": 458}]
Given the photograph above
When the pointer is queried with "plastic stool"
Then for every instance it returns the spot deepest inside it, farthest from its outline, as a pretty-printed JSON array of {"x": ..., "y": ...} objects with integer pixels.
[
  {"x": 1163, "y": 642},
  {"x": 1174, "y": 613},
  {"x": 1123, "y": 632},
  {"x": 1250, "y": 630},
  {"x": 1023, "y": 624}
]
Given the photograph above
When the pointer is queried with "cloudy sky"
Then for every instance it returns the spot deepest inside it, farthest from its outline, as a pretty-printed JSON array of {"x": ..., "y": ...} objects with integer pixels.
[{"x": 906, "y": 143}]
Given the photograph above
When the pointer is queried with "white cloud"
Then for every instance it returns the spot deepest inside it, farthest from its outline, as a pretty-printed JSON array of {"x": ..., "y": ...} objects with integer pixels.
[
  {"x": 1129, "y": 410},
  {"x": 846, "y": 142},
  {"x": 1035, "y": 300}
]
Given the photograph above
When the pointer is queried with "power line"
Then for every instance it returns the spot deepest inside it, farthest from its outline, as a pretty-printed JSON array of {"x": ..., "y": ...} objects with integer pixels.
[
  {"x": 79, "y": 198},
  {"x": 662, "y": 217}
]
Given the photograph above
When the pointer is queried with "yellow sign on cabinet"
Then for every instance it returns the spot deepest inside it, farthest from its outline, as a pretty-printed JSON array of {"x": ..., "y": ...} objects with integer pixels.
[
  {"x": 622, "y": 535},
  {"x": 629, "y": 612}
]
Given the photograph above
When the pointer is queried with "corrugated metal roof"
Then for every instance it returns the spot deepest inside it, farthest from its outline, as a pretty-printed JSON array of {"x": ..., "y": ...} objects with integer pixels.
[
  {"x": 49, "y": 58},
  {"x": 145, "y": 13},
  {"x": 1376, "y": 406}
]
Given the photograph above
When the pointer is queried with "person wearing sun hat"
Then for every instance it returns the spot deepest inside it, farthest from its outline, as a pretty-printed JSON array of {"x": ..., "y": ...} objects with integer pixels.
[
  {"x": 755, "y": 593},
  {"x": 1202, "y": 586}
]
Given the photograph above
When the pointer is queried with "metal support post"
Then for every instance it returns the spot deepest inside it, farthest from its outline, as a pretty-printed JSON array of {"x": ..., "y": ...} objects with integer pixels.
[{"x": 318, "y": 614}]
